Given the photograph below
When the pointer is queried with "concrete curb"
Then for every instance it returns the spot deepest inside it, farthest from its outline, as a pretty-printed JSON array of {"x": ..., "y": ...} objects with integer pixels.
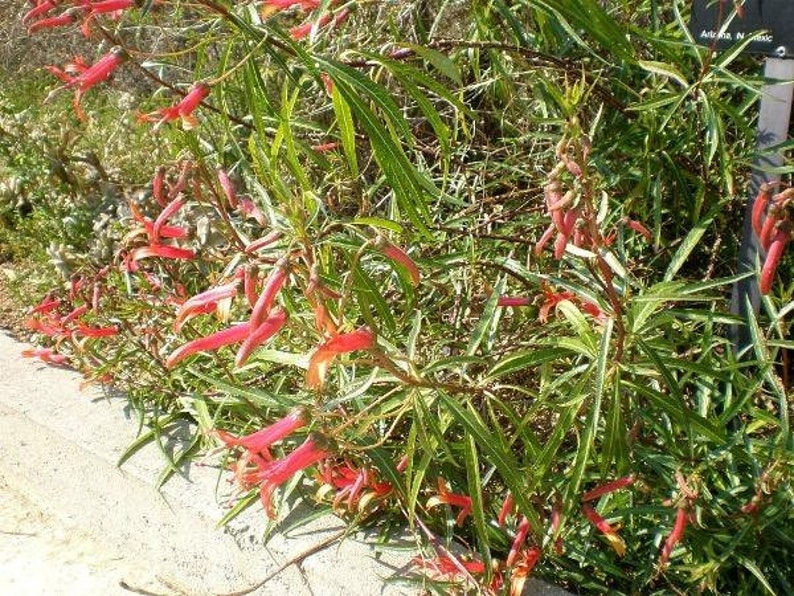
[{"x": 59, "y": 448}]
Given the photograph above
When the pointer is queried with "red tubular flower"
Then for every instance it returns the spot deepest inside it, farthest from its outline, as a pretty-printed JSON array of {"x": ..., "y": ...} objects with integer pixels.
[
  {"x": 552, "y": 299},
  {"x": 445, "y": 497},
  {"x": 165, "y": 231},
  {"x": 640, "y": 229},
  {"x": 301, "y": 31},
  {"x": 544, "y": 239},
  {"x": 444, "y": 566},
  {"x": 773, "y": 256},
  {"x": 206, "y": 301},
  {"x": 759, "y": 207},
  {"x": 87, "y": 331},
  {"x": 559, "y": 245},
  {"x": 167, "y": 213},
  {"x": 399, "y": 256},
  {"x": 225, "y": 337},
  {"x": 279, "y": 471},
  {"x": 607, "y": 488},
  {"x": 157, "y": 186},
  {"x": 65, "y": 18},
  {"x": 361, "y": 339},
  {"x": 161, "y": 250},
  {"x": 106, "y": 6},
  {"x": 89, "y": 76},
  {"x": 182, "y": 110},
  {"x": 681, "y": 520},
  {"x": 518, "y": 542},
  {"x": 39, "y": 10},
  {"x": 228, "y": 188},
  {"x": 275, "y": 281},
  {"x": 272, "y": 325},
  {"x": 249, "y": 209},
  {"x": 263, "y": 242},
  {"x": 47, "y": 355},
  {"x": 303, "y": 4},
  {"x": 75, "y": 314},
  {"x": 50, "y": 326},
  {"x": 261, "y": 441},
  {"x": 357, "y": 486},
  {"x": 507, "y": 509},
  {"x": 610, "y": 533},
  {"x": 513, "y": 301},
  {"x": 324, "y": 147},
  {"x": 523, "y": 570},
  {"x": 46, "y": 305}
]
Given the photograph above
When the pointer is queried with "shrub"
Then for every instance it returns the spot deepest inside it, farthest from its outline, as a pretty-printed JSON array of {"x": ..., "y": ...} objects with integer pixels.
[{"x": 472, "y": 260}]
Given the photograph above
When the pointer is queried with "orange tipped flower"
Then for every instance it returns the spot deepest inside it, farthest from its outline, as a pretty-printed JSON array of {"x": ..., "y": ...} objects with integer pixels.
[
  {"x": 225, "y": 337},
  {"x": 445, "y": 497},
  {"x": 90, "y": 76},
  {"x": 444, "y": 566},
  {"x": 182, "y": 110},
  {"x": 47, "y": 355},
  {"x": 523, "y": 570},
  {"x": 361, "y": 339},
  {"x": 610, "y": 533}
]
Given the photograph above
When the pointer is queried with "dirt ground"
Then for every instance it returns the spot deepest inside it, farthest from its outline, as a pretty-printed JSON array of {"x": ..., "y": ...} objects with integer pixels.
[{"x": 39, "y": 555}]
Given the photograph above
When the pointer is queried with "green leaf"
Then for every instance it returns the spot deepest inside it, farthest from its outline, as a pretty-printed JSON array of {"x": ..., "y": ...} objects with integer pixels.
[
  {"x": 347, "y": 130},
  {"x": 593, "y": 417},
  {"x": 474, "y": 478},
  {"x": 487, "y": 318},
  {"x": 441, "y": 62},
  {"x": 689, "y": 243},
  {"x": 524, "y": 360},
  {"x": 502, "y": 459},
  {"x": 378, "y": 222},
  {"x": 666, "y": 70}
]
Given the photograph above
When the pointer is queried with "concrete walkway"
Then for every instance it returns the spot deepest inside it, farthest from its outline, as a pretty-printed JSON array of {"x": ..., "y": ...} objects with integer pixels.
[{"x": 72, "y": 522}]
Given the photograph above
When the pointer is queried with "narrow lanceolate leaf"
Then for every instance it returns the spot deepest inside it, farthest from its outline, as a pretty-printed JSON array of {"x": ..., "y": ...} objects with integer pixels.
[
  {"x": 474, "y": 477},
  {"x": 347, "y": 132},
  {"x": 412, "y": 190},
  {"x": 770, "y": 376},
  {"x": 666, "y": 70},
  {"x": 526, "y": 360},
  {"x": 594, "y": 415},
  {"x": 504, "y": 461},
  {"x": 688, "y": 245},
  {"x": 486, "y": 319}
]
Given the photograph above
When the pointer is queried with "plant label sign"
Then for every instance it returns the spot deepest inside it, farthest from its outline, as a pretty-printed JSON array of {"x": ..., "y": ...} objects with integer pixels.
[{"x": 775, "y": 18}]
